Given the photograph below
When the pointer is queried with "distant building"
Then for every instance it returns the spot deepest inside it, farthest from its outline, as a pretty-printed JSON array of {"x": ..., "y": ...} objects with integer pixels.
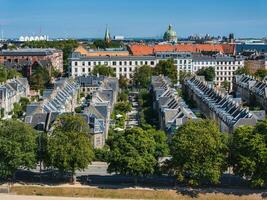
[
  {"x": 33, "y": 38},
  {"x": 30, "y": 56},
  {"x": 81, "y": 65},
  {"x": 224, "y": 66},
  {"x": 170, "y": 35},
  {"x": 119, "y": 37},
  {"x": 11, "y": 92},
  {"x": 101, "y": 52},
  {"x": 224, "y": 109},
  {"x": 256, "y": 62},
  {"x": 107, "y": 37},
  {"x": 146, "y": 50}
]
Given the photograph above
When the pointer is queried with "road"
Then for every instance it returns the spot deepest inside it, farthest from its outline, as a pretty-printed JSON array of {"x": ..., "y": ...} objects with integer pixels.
[
  {"x": 132, "y": 116},
  {"x": 21, "y": 197}
]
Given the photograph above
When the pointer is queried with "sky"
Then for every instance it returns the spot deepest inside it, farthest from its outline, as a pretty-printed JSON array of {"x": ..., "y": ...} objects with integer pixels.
[{"x": 132, "y": 18}]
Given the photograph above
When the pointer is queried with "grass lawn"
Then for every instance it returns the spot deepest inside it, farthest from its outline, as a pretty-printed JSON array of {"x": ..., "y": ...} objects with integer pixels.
[{"x": 122, "y": 193}]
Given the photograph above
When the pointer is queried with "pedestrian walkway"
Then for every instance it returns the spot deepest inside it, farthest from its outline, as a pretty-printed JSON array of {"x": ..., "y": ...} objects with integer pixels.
[{"x": 21, "y": 197}]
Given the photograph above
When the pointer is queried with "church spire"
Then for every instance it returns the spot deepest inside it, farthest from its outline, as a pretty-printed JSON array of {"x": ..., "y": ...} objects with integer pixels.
[{"x": 107, "y": 35}]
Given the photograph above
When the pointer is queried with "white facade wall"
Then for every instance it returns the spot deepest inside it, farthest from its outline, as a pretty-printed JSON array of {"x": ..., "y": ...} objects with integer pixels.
[{"x": 121, "y": 67}]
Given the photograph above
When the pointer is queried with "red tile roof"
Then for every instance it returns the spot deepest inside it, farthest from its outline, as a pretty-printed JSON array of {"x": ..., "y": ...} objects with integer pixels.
[{"x": 143, "y": 50}]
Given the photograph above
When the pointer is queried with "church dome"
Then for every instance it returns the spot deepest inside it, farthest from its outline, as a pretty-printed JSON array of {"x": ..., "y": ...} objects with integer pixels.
[{"x": 170, "y": 35}]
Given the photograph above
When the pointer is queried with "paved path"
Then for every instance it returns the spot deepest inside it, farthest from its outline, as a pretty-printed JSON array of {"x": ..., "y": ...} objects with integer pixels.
[{"x": 21, "y": 197}]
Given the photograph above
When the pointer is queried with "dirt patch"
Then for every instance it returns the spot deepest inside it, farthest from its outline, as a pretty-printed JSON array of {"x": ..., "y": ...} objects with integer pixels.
[{"x": 125, "y": 193}]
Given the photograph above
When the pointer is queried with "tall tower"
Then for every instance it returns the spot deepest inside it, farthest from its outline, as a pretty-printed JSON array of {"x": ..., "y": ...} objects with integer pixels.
[{"x": 107, "y": 36}]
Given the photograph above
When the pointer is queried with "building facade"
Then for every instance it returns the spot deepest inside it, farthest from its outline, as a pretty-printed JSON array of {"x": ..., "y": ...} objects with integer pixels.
[
  {"x": 122, "y": 65},
  {"x": 224, "y": 66},
  {"x": 31, "y": 56},
  {"x": 11, "y": 92},
  {"x": 101, "y": 105}
]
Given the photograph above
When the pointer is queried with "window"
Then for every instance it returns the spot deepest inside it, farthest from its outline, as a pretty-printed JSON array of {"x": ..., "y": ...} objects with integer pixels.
[
  {"x": 114, "y": 63},
  {"x": 125, "y": 62},
  {"x": 83, "y": 63},
  {"x": 83, "y": 69},
  {"x": 76, "y": 70},
  {"x": 130, "y": 63},
  {"x": 89, "y": 63},
  {"x": 153, "y": 63},
  {"x": 76, "y": 63},
  {"x": 120, "y": 69},
  {"x": 120, "y": 63},
  {"x": 125, "y": 69}
]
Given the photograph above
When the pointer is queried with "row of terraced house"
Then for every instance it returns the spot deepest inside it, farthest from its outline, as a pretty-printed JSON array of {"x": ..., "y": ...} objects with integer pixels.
[
  {"x": 252, "y": 91},
  {"x": 63, "y": 98},
  {"x": 222, "y": 108},
  {"x": 171, "y": 108},
  {"x": 10, "y": 93}
]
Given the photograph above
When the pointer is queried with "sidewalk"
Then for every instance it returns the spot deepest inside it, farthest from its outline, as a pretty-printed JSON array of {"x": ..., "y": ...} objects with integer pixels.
[{"x": 21, "y": 197}]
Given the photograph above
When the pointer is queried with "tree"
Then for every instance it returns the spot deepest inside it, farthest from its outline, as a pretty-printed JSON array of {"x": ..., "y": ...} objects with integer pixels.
[
  {"x": 123, "y": 107},
  {"x": 183, "y": 75},
  {"x": 69, "y": 147},
  {"x": 132, "y": 153},
  {"x": 6, "y": 73},
  {"x": 3, "y": 74},
  {"x": 40, "y": 78},
  {"x": 199, "y": 152},
  {"x": 142, "y": 76},
  {"x": 242, "y": 70},
  {"x": 17, "y": 147},
  {"x": 249, "y": 153},
  {"x": 160, "y": 138},
  {"x": 101, "y": 44},
  {"x": 103, "y": 70},
  {"x": 123, "y": 96},
  {"x": 166, "y": 68},
  {"x": 123, "y": 82},
  {"x": 261, "y": 73},
  {"x": 226, "y": 85},
  {"x": 208, "y": 73}
]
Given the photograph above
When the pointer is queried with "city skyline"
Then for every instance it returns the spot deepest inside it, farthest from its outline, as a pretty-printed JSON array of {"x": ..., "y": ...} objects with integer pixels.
[{"x": 79, "y": 19}]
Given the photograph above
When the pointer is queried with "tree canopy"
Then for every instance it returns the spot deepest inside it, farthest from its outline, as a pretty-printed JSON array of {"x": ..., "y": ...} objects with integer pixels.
[
  {"x": 208, "y": 73},
  {"x": 199, "y": 152},
  {"x": 17, "y": 147},
  {"x": 142, "y": 76},
  {"x": 40, "y": 78},
  {"x": 132, "y": 153},
  {"x": 69, "y": 147},
  {"x": 166, "y": 68},
  {"x": 101, "y": 44},
  {"x": 103, "y": 70},
  {"x": 249, "y": 153},
  {"x": 261, "y": 73},
  {"x": 6, "y": 74}
]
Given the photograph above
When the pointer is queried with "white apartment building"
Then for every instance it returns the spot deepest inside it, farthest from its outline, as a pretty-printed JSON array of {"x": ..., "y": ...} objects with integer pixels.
[
  {"x": 224, "y": 66},
  {"x": 123, "y": 65}
]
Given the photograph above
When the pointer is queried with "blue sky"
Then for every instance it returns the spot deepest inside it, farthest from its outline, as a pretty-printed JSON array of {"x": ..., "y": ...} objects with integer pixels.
[{"x": 133, "y": 18}]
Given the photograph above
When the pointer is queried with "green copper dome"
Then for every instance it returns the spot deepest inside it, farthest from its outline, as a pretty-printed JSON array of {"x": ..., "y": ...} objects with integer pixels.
[{"x": 170, "y": 35}]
